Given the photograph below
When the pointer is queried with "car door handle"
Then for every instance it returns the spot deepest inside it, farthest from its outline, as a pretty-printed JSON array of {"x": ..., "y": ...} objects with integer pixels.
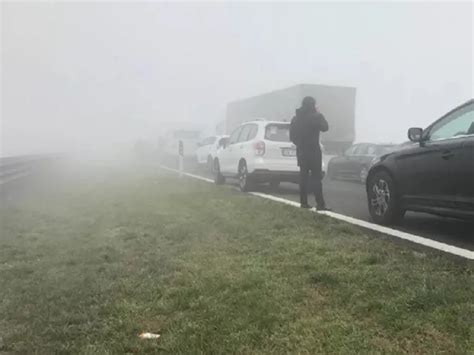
[{"x": 447, "y": 154}]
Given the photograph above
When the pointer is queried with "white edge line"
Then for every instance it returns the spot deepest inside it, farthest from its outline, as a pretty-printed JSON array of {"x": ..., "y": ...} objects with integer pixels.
[
  {"x": 188, "y": 174},
  {"x": 465, "y": 253}
]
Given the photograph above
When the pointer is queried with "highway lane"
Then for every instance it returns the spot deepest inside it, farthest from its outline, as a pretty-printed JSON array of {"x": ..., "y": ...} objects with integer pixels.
[{"x": 349, "y": 198}]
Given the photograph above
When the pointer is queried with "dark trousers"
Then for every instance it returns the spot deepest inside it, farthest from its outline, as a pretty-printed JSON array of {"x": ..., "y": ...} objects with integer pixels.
[{"x": 311, "y": 177}]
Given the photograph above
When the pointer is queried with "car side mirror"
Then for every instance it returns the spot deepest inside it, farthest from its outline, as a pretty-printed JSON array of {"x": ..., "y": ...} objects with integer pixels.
[{"x": 415, "y": 134}]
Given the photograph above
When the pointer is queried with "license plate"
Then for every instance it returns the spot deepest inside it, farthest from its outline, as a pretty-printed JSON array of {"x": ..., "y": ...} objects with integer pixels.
[{"x": 288, "y": 152}]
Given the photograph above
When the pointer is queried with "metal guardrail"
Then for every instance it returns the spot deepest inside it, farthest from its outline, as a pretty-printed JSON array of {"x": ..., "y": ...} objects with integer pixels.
[{"x": 13, "y": 168}]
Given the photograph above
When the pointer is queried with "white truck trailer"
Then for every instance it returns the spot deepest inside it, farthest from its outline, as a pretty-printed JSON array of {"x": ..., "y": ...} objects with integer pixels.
[{"x": 337, "y": 103}]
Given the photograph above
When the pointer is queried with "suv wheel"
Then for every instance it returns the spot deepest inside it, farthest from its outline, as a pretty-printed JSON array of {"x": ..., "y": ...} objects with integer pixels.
[
  {"x": 219, "y": 179},
  {"x": 383, "y": 203},
  {"x": 244, "y": 180}
]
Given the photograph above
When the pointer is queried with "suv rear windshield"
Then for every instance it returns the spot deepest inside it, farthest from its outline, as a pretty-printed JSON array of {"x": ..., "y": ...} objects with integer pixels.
[{"x": 277, "y": 132}]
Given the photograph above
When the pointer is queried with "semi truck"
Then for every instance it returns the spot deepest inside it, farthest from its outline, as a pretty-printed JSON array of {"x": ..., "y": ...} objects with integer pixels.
[{"x": 337, "y": 103}]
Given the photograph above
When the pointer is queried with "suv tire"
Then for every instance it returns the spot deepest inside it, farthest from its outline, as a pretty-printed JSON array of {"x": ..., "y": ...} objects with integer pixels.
[
  {"x": 245, "y": 184},
  {"x": 382, "y": 199}
]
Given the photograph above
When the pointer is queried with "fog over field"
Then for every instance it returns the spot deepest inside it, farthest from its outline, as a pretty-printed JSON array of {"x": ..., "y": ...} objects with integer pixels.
[{"x": 98, "y": 75}]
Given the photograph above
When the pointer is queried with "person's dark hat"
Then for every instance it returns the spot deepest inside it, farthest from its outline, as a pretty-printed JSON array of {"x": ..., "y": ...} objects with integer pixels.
[{"x": 308, "y": 101}]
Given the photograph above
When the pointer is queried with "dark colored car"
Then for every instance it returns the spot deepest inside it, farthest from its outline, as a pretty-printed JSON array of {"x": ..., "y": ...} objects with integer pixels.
[
  {"x": 354, "y": 164},
  {"x": 435, "y": 174}
]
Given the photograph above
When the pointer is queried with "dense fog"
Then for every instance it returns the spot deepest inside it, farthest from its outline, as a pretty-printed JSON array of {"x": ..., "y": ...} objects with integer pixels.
[{"x": 97, "y": 76}]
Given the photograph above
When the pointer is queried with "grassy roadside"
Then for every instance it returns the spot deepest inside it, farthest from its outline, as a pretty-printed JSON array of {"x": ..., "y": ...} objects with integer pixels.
[{"x": 89, "y": 264}]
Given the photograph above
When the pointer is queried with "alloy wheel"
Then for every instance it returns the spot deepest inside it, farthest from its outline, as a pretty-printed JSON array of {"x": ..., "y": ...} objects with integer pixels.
[{"x": 380, "y": 200}]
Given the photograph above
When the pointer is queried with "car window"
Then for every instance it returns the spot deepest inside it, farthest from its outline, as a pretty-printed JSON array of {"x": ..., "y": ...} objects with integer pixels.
[
  {"x": 372, "y": 150},
  {"x": 277, "y": 132},
  {"x": 222, "y": 142},
  {"x": 459, "y": 123},
  {"x": 235, "y": 136},
  {"x": 253, "y": 132},
  {"x": 351, "y": 150},
  {"x": 243, "y": 137},
  {"x": 361, "y": 150}
]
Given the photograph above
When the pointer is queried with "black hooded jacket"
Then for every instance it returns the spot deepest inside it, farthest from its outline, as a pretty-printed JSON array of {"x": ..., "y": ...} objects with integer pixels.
[{"x": 304, "y": 132}]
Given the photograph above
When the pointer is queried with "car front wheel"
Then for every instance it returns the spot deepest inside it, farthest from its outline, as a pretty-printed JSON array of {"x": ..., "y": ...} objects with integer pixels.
[{"x": 383, "y": 203}]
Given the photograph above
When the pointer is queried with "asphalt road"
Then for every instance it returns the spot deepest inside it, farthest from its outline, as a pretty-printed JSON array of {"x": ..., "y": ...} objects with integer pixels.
[{"x": 349, "y": 198}]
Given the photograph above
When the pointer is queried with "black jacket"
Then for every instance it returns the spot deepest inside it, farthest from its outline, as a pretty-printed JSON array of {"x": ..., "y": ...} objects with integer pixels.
[{"x": 304, "y": 132}]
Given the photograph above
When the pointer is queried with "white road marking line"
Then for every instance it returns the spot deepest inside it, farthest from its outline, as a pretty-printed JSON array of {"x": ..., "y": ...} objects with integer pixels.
[
  {"x": 188, "y": 174},
  {"x": 464, "y": 253},
  {"x": 276, "y": 199}
]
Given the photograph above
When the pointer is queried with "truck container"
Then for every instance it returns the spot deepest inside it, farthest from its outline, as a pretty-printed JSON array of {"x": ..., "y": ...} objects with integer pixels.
[{"x": 337, "y": 103}]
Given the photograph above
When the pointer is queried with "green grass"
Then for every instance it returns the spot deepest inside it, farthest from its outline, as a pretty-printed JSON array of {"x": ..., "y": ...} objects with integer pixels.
[{"x": 87, "y": 263}]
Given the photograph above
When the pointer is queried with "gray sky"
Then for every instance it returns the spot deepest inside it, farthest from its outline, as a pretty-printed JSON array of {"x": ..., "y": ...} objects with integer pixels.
[{"x": 97, "y": 74}]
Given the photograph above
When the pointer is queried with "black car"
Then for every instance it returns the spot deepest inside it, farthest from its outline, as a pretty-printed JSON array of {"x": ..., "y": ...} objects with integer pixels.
[
  {"x": 354, "y": 164},
  {"x": 434, "y": 174}
]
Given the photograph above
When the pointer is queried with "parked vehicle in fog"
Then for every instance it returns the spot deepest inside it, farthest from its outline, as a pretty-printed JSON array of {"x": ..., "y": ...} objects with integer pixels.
[
  {"x": 258, "y": 152},
  {"x": 207, "y": 149},
  {"x": 435, "y": 175},
  {"x": 354, "y": 164}
]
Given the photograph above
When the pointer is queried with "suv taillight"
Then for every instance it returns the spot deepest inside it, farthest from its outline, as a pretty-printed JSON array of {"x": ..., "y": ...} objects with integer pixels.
[{"x": 259, "y": 148}]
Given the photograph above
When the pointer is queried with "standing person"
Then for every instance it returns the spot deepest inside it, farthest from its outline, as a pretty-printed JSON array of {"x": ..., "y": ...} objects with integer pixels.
[{"x": 304, "y": 133}]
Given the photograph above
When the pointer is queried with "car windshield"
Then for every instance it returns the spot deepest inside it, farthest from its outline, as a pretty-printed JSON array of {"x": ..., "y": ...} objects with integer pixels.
[{"x": 277, "y": 132}]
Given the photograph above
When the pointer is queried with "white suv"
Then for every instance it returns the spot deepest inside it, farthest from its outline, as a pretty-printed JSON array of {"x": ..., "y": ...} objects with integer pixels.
[{"x": 258, "y": 152}]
